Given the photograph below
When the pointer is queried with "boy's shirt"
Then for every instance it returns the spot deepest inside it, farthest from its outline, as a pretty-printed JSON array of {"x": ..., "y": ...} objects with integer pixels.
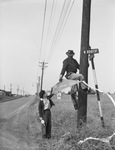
[
  {"x": 46, "y": 104},
  {"x": 43, "y": 105}
]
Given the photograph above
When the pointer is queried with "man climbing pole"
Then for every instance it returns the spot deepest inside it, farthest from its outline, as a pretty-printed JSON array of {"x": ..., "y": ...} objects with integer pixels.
[{"x": 70, "y": 66}]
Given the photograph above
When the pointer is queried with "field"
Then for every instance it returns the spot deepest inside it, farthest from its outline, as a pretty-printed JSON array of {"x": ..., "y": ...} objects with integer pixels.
[{"x": 23, "y": 131}]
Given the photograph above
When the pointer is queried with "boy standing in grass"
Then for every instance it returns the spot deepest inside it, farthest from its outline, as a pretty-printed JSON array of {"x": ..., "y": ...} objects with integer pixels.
[{"x": 44, "y": 106}]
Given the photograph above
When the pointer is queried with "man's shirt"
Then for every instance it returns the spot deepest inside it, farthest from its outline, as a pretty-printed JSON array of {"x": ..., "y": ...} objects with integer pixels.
[{"x": 69, "y": 65}]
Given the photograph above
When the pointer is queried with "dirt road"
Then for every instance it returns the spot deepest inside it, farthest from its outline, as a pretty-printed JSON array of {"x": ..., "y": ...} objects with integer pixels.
[
  {"x": 9, "y": 114},
  {"x": 8, "y": 109}
]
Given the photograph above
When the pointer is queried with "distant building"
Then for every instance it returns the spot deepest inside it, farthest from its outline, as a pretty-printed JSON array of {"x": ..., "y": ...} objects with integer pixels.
[
  {"x": 5, "y": 93},
  {"x": 2, "y": 93}
]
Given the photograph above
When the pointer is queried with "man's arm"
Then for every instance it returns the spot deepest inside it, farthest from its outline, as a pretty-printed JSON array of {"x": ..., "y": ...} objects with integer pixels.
[
  {"x": 64, "y": 68},
  {"x": 78, "y": 65}
]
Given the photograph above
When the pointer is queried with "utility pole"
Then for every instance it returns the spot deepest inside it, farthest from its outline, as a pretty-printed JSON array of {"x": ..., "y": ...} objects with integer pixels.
[
  {"x": 23, "y": 91},
  {"x": 82, "y": 96},
  {"x": 42, "y": 67},
  {"x": 18, "y": 90},
  {"x": 38, "y": 86},
  {"x": 4, "y": 87},
  {"x": 11, "y": 88}
]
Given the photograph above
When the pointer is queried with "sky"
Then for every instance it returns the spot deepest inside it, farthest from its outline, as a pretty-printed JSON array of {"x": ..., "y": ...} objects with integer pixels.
[{"x": 31, "y": 33}]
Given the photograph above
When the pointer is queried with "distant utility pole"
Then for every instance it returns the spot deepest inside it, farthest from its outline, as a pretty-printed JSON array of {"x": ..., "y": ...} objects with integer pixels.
[
  {"x": 11, "y": 87},
  {"x": 4, "y": 87},
  {"x": 38, "y": 86},
  {"x": 23, "y": 91},
  {"x": 82, "y": 96},
  {"x": 42, "y": 67},
  {"x": 18, "y": 90}
]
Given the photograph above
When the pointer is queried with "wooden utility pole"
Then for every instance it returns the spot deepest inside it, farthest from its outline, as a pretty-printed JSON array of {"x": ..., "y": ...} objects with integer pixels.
[
  {"x": 42, "y": 67},
  {"x": 11, "y": 88},
  {"x": 23, "y": 92},
  {"x": 18, "y": 90},
  {"x": 4, "y": 88},
  {"x": 82, "y": 96},
  {"x": 38, "y": 86}
]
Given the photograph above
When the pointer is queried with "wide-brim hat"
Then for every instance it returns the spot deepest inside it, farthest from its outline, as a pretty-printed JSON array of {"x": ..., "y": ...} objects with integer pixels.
[{"x": 70, "y": 52}]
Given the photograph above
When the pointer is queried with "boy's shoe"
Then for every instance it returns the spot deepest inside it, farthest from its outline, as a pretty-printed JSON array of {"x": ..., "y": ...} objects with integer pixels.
[{"x": 75, "y": 106}]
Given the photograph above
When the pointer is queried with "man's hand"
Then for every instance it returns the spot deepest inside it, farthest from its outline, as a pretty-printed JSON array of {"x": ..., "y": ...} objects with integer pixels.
[{"x": 60, "y": 78}]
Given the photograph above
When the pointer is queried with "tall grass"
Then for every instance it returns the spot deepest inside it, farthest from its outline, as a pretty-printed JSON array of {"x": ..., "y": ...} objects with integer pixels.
[
  {"x": 64, "y": 120},
  {"x": 65, "y": 134}
]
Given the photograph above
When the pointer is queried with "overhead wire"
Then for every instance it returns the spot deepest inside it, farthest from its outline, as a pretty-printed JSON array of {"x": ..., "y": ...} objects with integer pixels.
[
  {"x": 52, "y": 12},
  {"x": 57, "y": 28},
  {"x": 50, "y": 23},
  {"x": 42, "y": 36},
  {"x": 67, "y": 6},
  {"x": 65, "y": 11},
  {"x": 61, "y": 31},
  {"x": 43, "y": 28}
]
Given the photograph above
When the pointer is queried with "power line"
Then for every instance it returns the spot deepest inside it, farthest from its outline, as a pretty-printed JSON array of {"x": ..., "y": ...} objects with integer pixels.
[
  {"x": 43, "y": 28},
  {"x": 49, "y": 26},
  {"x": 64, "y": 24},
  {"x": 57, "y": 28},
  {"x": 65, "y": 11},
  {"x": 64, "y": 18},
  {"x": 59, "y": 36},
  {"x": 66, "y": 8}
]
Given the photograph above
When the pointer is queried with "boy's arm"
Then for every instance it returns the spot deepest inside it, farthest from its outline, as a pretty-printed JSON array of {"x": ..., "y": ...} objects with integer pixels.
[
  {"x": 51, "y": 94},
  {"x": 40, "y": 109}
]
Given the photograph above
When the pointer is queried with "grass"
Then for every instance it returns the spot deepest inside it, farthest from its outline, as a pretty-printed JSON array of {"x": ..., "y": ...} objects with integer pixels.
[
  {"x": 65, "y": 134},
  {"x": 9, "y": 98}
]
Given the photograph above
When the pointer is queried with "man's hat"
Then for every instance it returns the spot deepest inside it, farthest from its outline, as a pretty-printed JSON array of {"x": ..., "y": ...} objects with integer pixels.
[{"x": 70, "y": 52}]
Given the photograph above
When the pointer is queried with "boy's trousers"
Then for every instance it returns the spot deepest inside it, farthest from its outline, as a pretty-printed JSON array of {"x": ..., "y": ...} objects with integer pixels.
[{"x": 46, "y": 129}]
